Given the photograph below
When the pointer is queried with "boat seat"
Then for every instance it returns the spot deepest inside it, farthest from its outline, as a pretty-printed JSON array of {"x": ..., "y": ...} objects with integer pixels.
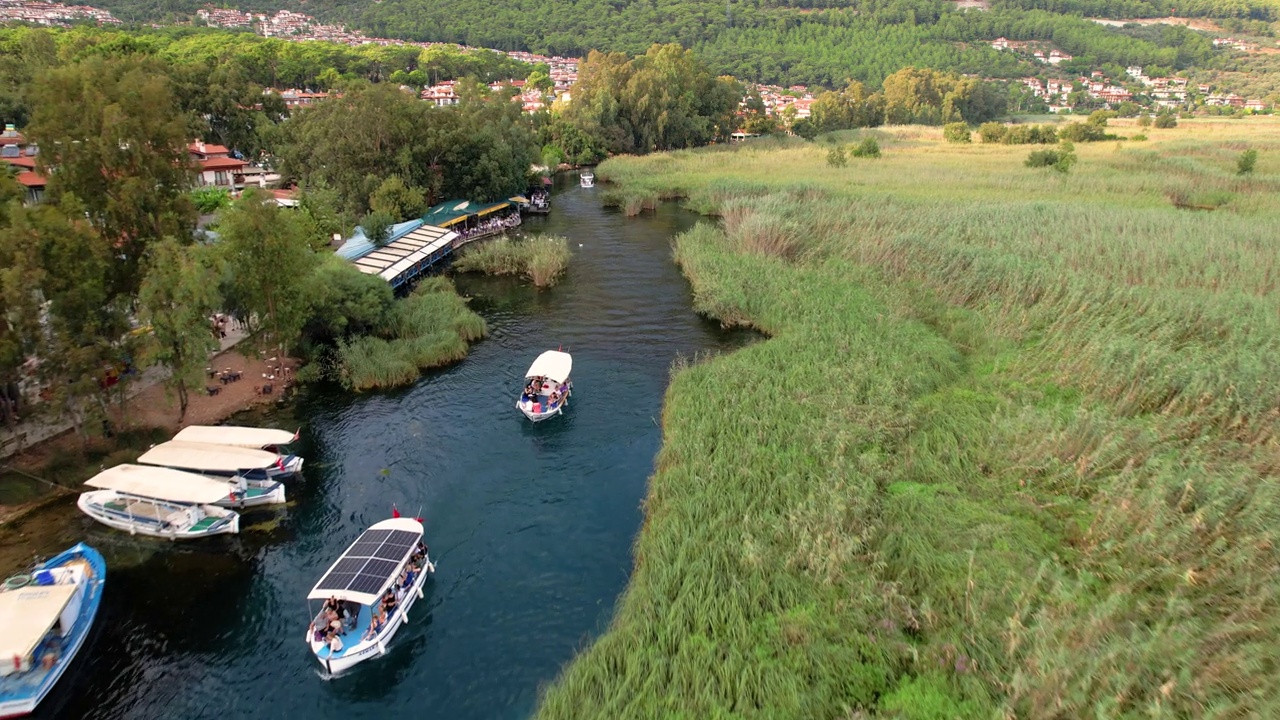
[{"x": 146, "y": 510}]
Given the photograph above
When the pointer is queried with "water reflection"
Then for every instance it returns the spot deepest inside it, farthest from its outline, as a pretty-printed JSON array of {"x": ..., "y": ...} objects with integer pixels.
[{"x": 531, "y": 525}]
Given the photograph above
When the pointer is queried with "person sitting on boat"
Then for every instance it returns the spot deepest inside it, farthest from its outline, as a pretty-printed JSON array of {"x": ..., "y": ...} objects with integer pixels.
[
  {"x": 334, "y": 643},
  {"x": 554, "y": 399},
  {"x": 389, "y": 603},
  {"x": 376, "y": 625},
  {"x": 410, "y": 573}
]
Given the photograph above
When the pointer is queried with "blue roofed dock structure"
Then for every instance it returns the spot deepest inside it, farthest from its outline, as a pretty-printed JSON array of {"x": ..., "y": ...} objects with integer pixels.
[{"x": 412, "y": 248}]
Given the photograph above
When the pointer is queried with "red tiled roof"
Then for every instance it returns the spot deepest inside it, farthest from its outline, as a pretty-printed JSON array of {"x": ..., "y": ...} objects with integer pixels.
[
  {"x": 25, "y": 161},
  {"x": 16, "y": 139},
  {"x": 222, "y": 164},
  {"x": 288, "y": 194},
  {"x": 209, "y": 149},
  {"x": 31, "y": 180}
]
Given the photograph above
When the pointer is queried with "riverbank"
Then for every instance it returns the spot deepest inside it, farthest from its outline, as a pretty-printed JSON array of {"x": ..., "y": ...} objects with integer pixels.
[
  {"x": 58, "y": 463},
  {"x": 1004, "y": 453}
]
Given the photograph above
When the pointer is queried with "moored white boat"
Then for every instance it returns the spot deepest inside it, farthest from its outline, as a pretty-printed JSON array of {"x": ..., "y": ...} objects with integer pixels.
[
  {"x": 388, "y": 557},
  {"x": 269, "y": 439},
  {"x": 159, "y": 502},
  {"x": 547, "y": 386},
  {"x": 227, "y": 460},
  {"x": 45, "y": 618},
  {"x": 587, "y": 179}
]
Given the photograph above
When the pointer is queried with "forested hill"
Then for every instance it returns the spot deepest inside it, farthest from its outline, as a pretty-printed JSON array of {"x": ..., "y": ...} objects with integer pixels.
[{"x": 822, "y": 42}]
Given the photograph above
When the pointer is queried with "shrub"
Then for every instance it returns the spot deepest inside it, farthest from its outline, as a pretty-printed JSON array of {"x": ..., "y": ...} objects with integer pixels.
[
  {"x": 804, "y": 128},
  {"x": 1084, "y": 132},
  {"x": 1030, "y": 135},
  {"x": 1246, "y": 161},
  {"x": 868, "y": 148},
  {"x": 992, "y": 132},
  {"x": 377, "y": 227},
  {"x": 1061, "y": 159},
  {"x": 1166, "y": 121},
  {"x": 1144, "y": 120},
  {"x": 210, "y": 200},
  {"x": 836, "y": 157},
  {"x": 956, "y": 132},
  {"x": 1100, "y": 117},
  {"x": 1140, "y": 137}
]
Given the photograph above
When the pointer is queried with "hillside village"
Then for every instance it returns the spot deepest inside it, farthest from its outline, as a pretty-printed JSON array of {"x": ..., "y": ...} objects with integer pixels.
[{"x": 1055, "y": 90}]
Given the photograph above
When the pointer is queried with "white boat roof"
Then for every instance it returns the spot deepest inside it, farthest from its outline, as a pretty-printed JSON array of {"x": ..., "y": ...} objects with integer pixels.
[
  {"x": 553, "y": 365},
  {"x": 26, "y": 614},
  {"x": 160, "y": 484},
  {"x": 208, "y": 457},
  {"x": 239, "y": 436},
  {"x": 366, "y": 569}
]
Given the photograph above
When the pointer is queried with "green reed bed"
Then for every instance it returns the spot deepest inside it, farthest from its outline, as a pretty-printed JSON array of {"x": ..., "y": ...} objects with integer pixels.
[
  {"x": 1007, "y": 453},
  {"x": 542, "y": 259},
  {"x": 430, "y": 328}
]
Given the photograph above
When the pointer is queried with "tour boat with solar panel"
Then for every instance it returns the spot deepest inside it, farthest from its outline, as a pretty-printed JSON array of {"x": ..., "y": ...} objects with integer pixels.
[
  {"x": 547, "y": 386},
  {"x": 587, "y": 179},
  {"x": 45, "y": 618},
  {"x": 159, "y": 502},
  {"x": 226, "y": 460},
  {"x": 367, "y": 593}
]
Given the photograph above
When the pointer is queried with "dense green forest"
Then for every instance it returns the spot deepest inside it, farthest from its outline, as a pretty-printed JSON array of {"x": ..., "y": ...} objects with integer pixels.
[{"x": 784, "y": 41}]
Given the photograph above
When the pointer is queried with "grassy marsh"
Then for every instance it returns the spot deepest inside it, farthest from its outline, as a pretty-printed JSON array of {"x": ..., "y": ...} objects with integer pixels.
[
  {"x": 541, "y": 259},
  {"x": 430, "y": 328},
  {"x": 1009, "y": 451}
]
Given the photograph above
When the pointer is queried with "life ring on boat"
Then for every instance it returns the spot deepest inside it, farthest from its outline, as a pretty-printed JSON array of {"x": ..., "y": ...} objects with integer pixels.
[
  {"x": 17, "y": 662},
  {"x": 17, "y": 581}
]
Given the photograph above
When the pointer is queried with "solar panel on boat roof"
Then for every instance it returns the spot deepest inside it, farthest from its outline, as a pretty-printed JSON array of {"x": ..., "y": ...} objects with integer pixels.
[{"x": 369, "y": 562}]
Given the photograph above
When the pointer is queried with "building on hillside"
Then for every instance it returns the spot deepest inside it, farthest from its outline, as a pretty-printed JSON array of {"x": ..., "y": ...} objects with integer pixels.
[
  {"x": 216, "y": 166},
  {"x": 1000, "y": 43},
  {"x": 441, "y": 94},
  {"x": 1255, "y": 105}
]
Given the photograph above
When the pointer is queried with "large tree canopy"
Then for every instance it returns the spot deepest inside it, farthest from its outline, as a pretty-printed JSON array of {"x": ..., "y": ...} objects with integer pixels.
[{"x": 111, "y": 137}]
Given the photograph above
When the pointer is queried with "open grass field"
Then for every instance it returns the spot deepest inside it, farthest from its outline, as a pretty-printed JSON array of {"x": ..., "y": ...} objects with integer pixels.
[{"x": 1010, "y": 450}]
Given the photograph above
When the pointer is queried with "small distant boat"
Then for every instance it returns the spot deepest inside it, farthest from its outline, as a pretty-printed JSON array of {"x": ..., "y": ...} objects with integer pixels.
[
  {"x": 374, "y": 565},
  {"x": 587, "y": 179},
  {"x": 159, "y": 502},
  {"x": 45, "y": 618},
  {"x": 226, "y": 460},
  {"x": 547, "y": 386},
  {"x": 268, "y": 439}
]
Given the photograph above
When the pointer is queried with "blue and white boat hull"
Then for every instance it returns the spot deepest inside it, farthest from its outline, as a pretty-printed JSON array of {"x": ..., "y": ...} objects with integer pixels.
[{"x": 21, "y": 692}]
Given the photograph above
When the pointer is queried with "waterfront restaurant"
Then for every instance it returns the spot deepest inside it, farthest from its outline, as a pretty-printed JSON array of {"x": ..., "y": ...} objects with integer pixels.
[
  {"x": 472, "y": 221},
  {"x": 411, "y": 249}
]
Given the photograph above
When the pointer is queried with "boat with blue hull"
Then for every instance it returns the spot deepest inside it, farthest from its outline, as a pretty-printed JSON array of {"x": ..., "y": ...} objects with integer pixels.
[
  {"x": 367, "y": 594},
  {"x": 45, "y": 619}
]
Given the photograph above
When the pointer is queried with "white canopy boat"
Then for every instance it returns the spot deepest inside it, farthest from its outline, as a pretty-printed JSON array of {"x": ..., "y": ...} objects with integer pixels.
[
  {"x": 547, "y": 386},
  {"x": 45, "y": 618},
  {"x": 389, "y": 557},
  {"x": 268, "y": 439},
  {"x": 228, "y": 460},
  {"x": 587, "y": 179},
  {"x": 159, "y": 502}
]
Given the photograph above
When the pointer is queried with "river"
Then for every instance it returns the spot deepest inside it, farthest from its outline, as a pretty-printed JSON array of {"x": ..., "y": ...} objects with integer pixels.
[{"x": 531, "y": 526}]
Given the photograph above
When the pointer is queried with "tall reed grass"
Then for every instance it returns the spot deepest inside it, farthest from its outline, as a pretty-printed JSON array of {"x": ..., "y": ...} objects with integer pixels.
[
  {"x": 430, "y": 328},
  {"x": 1009, "y": 450},
  {"x": 540, "y": 258}
]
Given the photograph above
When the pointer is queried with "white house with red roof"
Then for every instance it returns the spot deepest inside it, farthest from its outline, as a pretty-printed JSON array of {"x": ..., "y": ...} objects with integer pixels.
[{"x": 217, "y": 167}]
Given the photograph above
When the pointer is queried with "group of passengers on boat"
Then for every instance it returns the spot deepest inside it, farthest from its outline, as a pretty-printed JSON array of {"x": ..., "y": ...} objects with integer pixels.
[
  {"x": 540, "y": 200},
  {"x": 540, "y": 387},
  {"x": 491, "y": 226},
  {"x": 338, "y": 617}
]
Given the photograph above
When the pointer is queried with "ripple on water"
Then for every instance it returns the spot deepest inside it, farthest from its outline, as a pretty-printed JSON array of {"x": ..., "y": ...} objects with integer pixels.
[{"x": 531, "y": 525}]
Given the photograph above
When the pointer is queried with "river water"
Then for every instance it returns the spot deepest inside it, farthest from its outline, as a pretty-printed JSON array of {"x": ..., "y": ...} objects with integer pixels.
[{"x": 531, "y": 526}]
